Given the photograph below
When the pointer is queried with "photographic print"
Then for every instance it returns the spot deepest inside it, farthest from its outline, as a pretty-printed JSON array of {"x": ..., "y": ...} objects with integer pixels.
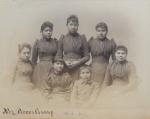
[{"x": 83, "y": 59}]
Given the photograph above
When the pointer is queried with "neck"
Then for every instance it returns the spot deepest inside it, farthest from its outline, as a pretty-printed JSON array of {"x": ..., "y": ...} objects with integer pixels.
[
  {"x": 21, "y": 60},
  {"x": 121, "y": 62},
  {"x": 47, "y": 39},
  {"x": 102, "y": 39},
  {"x": 57, "y": 72},
  {"x": 73, "y": 34}
]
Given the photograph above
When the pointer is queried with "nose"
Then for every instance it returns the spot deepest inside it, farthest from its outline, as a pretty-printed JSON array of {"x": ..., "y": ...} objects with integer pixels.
[{"x": 27, "y": 55}]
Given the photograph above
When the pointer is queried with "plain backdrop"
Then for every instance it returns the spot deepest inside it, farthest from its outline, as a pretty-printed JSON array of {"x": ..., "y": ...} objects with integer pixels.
[{"x": 128, "y": 23}]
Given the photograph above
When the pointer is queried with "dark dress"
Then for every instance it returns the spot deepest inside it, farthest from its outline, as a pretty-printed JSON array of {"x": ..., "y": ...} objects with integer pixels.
[
  {"x": 119, "y": 73},
  {"x": 120, "y": 85},
  {"x": 101, "y": 50},
  {"x": 58, "y": 88},
  {"x": 45, "y": 51},
  {"x": 73, "y": 48}
]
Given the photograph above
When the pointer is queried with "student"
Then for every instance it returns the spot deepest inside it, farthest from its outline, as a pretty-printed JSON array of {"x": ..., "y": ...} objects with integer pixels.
[
  {"x": 85, "y": 91},
  {"x": 121, "y": 73},
  {"x": 73, "y": 47},
  {"x": 45, "y": 50},
  {"x": 59, "y": 83},
  {"x": 101, "y": 48},
  {"x": 23, "y": 71}
]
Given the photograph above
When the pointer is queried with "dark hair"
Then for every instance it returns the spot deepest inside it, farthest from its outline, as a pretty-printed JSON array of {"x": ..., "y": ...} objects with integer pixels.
[
  {"x": 72, "y": 18},
  {"x": 102, "y": 25},
  {"x": 121, "y": 47},
  {"x": 46, "y": 24},
  {"x": 85, "y": 67},
  {"x": 22, "y": 46},
  {"x": 58, "y": 60}
]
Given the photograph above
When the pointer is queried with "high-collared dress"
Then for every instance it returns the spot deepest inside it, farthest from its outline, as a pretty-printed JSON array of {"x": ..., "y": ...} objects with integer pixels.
[
  {"x": 43, "y": 55},
  {"x": 100, "y": 50},
  {"x": 84, "y": 93},
  {"x": 22, "y": 76},
  {"x": 73, "y": 47},
  {"x": 58, "y": 88}
]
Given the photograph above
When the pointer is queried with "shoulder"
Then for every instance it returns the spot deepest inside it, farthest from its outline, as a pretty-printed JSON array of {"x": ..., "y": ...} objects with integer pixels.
[
  {"x": 112, "y": 41},
  {"x": 62, "y": 36},
  {"x": 36, "y": 42},
  {"x": 131, "y": 65},
  {"x": 90, "y": 40},
  {"x": 66, "y": 75},
  {"x": 77, "y": 82},
  {"x": 82, "y": 36},
  {"x": 51, "y": 75},
  {"x": 110, "y": 64},
  {"x": 55, "y": 39},
  {"x": 30, "y": 63}
]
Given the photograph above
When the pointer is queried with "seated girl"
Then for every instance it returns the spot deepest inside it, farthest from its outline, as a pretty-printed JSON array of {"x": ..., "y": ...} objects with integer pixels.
[
  {"x": 85, "y": 91},
  {"x": 121, "y": 72},
  {"x": 23, "y": 70},
  {"x": 59, "y": 83}
]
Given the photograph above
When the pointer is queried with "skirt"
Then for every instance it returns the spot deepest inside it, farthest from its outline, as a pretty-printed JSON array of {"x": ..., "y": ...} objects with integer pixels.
[
  {"x": 41, "y": 72},
  {"x": 98, "y": 72}
]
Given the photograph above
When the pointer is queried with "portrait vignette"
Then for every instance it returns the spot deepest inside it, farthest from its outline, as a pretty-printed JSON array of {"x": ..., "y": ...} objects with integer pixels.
[{"x": 127, "y": 25}]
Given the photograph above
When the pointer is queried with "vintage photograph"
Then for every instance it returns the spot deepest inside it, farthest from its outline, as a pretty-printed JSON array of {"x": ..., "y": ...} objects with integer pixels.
[{"x": 83, "y": 59}]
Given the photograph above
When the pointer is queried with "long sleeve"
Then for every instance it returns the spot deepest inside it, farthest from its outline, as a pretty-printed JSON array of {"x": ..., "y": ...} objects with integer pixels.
[
  {"x": 14, "y": 74},
  {"x": 113, "y": 49},
  {"x": 86, "y": 54},
  {"x": 60, "y": 47},
  {"x": 107, "y": 78},
  {"x": 133, "y": 80},
  {"x": 95, "y": 93},
  {"x": 74, "y": 94},
  {"x": 35, "y": 53}
]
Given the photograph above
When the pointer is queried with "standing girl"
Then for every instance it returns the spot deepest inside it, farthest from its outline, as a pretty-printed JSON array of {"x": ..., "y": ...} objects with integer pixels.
[
  {"x": 73, "y": 47},
  {"x": 101, "y": 49},
  {"x": 45, "y": 50}
]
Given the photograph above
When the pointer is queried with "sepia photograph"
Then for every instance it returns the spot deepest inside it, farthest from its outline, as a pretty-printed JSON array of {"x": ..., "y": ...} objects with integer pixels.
[{"x": 67, "y": 59}]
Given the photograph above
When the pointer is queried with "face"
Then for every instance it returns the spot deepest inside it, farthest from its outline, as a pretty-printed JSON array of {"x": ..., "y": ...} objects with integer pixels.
[
  {"x": 25, "y": 54},
  {"x": 47, "y": 33},
  {"x": 101, "y": 33},
  {"x": 58, "y": 66},
  {"x": 120, "y": 55},
  {"x": 85, "y": 74},
  {"x": 72, "y": 27}
]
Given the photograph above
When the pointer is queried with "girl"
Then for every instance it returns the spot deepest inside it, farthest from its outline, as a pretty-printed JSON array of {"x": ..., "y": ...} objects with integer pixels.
[
  {"x": 121, "y": 73},
  {"x": 73, "y": 47},
  {"x": 101, "y": 48},
  {"x": 119, "y": 82},
  {"x": 24, "y": 69},
  {"x": 58, "y": 84},
  {"x": 45, "y": 49},
  {"x": 85, "y": 91}
]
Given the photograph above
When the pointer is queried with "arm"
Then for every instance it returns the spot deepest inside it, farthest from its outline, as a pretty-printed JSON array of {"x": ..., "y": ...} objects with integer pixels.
[
  {"x": 94, "y": 95},
  {"x": 74, "y": 94},
  {"x": 60, "y": 47},
  {"x": 132, "y": 79},
  {"x": 107, "y": 78},
  {"x": 14, "y": 75},
  {"x": 113, "y": 49},
  {"x": 86, "y": 55},
  {"x": 35, "y": 53}
]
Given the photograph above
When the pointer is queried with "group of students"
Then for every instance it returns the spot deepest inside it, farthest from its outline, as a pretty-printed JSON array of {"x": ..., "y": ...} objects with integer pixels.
[{"x": 58, "y": 67}]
